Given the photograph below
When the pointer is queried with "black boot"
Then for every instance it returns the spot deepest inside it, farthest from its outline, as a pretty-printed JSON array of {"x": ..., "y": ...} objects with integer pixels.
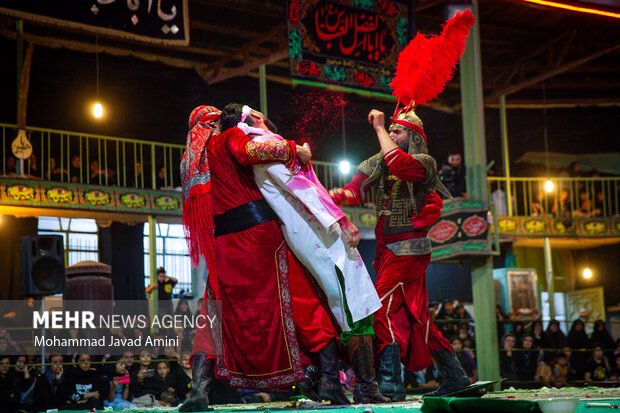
[
  {"x": 310, "y": 388},
  {"x": 389, "y": 377},
  {"x": 360, "y": 353},
  {"x": 202, "y": 376},
  {"x": 451, "y": 371},
  {"x": 330, "y": 388}
]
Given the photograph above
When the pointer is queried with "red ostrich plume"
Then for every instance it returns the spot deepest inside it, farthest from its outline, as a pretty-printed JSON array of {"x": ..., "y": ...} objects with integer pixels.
[{"x": 428, "y": 62}]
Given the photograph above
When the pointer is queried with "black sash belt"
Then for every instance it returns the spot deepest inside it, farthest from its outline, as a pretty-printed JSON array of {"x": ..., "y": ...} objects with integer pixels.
[{"x": 243, "y": 217}]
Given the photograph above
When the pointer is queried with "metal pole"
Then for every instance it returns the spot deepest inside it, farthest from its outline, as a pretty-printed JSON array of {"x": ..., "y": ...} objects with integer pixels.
[
  {"x": 344, "y": 136},
  {"x": 505, "y": 152},
  {"x": 153, "y": 261},
  {"x": 262, "y": 83},
  {"x": 19, "y": 39},
  {"x": 549, "y": 276},
  {"x": 475, "y": 161},
  {"x": 43, "y": 336}
]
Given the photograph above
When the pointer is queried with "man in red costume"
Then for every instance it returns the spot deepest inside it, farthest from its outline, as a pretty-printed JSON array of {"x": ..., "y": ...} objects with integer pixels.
[
  {"x": 268, "y": 307},
  {"x": 405, "y": 178}
]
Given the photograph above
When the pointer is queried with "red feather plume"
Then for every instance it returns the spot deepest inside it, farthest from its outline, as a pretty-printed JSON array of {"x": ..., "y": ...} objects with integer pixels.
[{"x": 428, "y": 62}]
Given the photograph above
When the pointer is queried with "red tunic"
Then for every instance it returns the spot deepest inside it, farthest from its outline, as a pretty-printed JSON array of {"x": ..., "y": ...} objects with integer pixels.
[
  {"x": 259, "y": 347},
  {"x": 401, "y": 280}
]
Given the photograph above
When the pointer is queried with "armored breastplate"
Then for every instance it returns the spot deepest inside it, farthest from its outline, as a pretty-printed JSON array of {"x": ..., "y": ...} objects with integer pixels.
[{"x": 397, "y": 200}]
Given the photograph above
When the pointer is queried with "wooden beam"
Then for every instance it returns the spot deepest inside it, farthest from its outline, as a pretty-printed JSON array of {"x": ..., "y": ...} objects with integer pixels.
[
  {"x": 23, "y": 88},
  {"x": 262, "y": 8},
  {"x": 243, "y": 70},
  {"x": 225, "y": 30},
  {"x": 550, "y": 73},
  {"x": 91, "y": 48},
  {"x": 557, "y": 103},
  {"x": 245, "y": 49}
]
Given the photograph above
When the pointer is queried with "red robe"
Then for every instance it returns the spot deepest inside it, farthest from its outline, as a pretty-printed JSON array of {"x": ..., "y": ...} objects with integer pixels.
[
  {"x": 401, "y": 280},
  {"x": 259, "y": 344}
]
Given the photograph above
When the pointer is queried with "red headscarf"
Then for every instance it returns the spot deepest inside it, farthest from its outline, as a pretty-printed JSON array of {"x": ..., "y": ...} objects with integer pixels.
[{"x": 196, "y": 180}]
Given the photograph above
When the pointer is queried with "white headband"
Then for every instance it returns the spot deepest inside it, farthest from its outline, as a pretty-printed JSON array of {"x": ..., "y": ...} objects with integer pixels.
[{"x": 245, "y": 112}]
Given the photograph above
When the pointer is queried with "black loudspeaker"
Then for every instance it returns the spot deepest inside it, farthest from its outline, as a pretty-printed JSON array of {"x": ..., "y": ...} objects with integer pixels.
[{"x": 43, "y": 265}]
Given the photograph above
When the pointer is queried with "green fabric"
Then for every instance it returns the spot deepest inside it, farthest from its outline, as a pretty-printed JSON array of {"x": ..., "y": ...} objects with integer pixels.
[
  {"x": 477, "y": 405},
  {"x": 528, "y": 257},
  {"x": 359, "y": 328}
]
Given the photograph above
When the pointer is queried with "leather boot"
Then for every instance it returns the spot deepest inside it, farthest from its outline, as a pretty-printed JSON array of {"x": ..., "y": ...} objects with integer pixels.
[
  {"x": 389, "y": 378},
  {"x": 310, "y": 388},
  {"x": 360, "y": 353},
  {"x": 202, "y": 376},
  {"x": 330, "y": 388},
  {"x": 451, "y": 371}
]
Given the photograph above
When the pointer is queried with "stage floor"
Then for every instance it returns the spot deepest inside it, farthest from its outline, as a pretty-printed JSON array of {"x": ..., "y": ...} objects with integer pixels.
[{"x": 591, "y": 400}]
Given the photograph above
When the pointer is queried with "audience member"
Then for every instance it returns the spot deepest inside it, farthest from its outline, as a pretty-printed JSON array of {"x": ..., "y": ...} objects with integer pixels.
[
  {"x": 578, "y": 340},
  {"x": 77, "y": 171},
  {"x": 507, "y": 358},
  {"x": 84, "y": 386},
  {"x": 554, "y": 337},
  {"x": 9, "y": 396},
  {"x": 24, "y": 380},
  {"x": 164, "y": 287},
  {"x": 48, "y": 391},
  {"x": 118, "y": 396},
  {"x": 452, "y": 174},
  {"x": 54, "y": 172},
  {"x": 527, "y": 360},
  {"x": 544, "y": 373},
  {"x": 597, "y": 367},
  {"x": 560, "y": 370},
  {"x": 601, "y": 336},
  {"x": 470, "y": 368},
  {"x": 538, "y": 335}
]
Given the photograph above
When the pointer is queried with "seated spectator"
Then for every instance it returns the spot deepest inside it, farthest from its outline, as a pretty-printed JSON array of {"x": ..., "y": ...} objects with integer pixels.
[
  {"x": 538, "y": 334},
  {"x": 554, "y": 337},
  {"x": 24, "y": 379},
  {"x": 48, "y": 390},
  {"x": 560, "y": 370},
  {"x": 544, "y": 373},
  {"x": 518, "y": 330},
  {"x": 507, "y": 358},
  {"x": 586, "y": 207},
  {"x": 597, "y": 367},
  {"x": 140, "y": 372},
  {"x": 184, "y": 376},
  {"x": 54, "y": 172},
  {"x": 527, "y": 360},
  {"x": 164, "y": 385},
  {"x": 470, "y": 368},
  {"x": 615, "y": 371},
  {"x": 118, "y": 397},
  {"x": 7, "y": 344},
  {"x": 173, "y": 353},
  {"x": 9, "y": 396},
  {"x": 578, "y": 340},
  {"x": 462, "y": 313},
  {"x": 601, "y": 335},
  {"x": 84, "y": 386},
  {"x": 572, "y": 372}
]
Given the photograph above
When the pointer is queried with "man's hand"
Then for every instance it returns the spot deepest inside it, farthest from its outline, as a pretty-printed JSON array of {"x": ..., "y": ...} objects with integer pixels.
[
  {"x": 350, "y": 232},
  {"x": 342, "y": 197},
  {"x": 304, "y": 155},
  {"x": 377, "y": 119}
]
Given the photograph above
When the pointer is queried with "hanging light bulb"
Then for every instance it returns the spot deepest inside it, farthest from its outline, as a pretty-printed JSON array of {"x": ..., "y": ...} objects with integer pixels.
[
  {"x": 549, "y": 185},
  {"x": 97, "y": 110},
  {"x": 345, "y": 167},
  {"x": 587, "y": 273}
]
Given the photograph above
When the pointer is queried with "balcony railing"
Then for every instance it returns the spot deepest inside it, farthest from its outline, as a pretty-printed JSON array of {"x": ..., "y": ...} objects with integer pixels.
[
  {"x": 568, "y": 198},
  {"x": 75, "y": 157}
]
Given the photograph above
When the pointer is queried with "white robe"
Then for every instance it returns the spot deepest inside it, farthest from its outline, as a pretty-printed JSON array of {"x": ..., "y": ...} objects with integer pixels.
[{"x": 312, "y": 233}]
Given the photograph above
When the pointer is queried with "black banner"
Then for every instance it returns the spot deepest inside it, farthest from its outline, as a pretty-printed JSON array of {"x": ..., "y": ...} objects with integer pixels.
[
  {"x": 159, "y": 21},
  {"x": 353, "y": 43}
]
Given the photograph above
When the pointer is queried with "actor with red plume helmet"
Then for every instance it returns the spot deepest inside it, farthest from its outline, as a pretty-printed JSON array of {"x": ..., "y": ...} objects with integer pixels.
[{"x": 406, "y": 182}]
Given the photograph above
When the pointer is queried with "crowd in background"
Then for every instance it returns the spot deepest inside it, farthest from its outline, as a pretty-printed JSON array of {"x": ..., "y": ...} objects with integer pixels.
[
  {"x": 531, "y": 356},
  {"x": 93, "y": 173}
]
